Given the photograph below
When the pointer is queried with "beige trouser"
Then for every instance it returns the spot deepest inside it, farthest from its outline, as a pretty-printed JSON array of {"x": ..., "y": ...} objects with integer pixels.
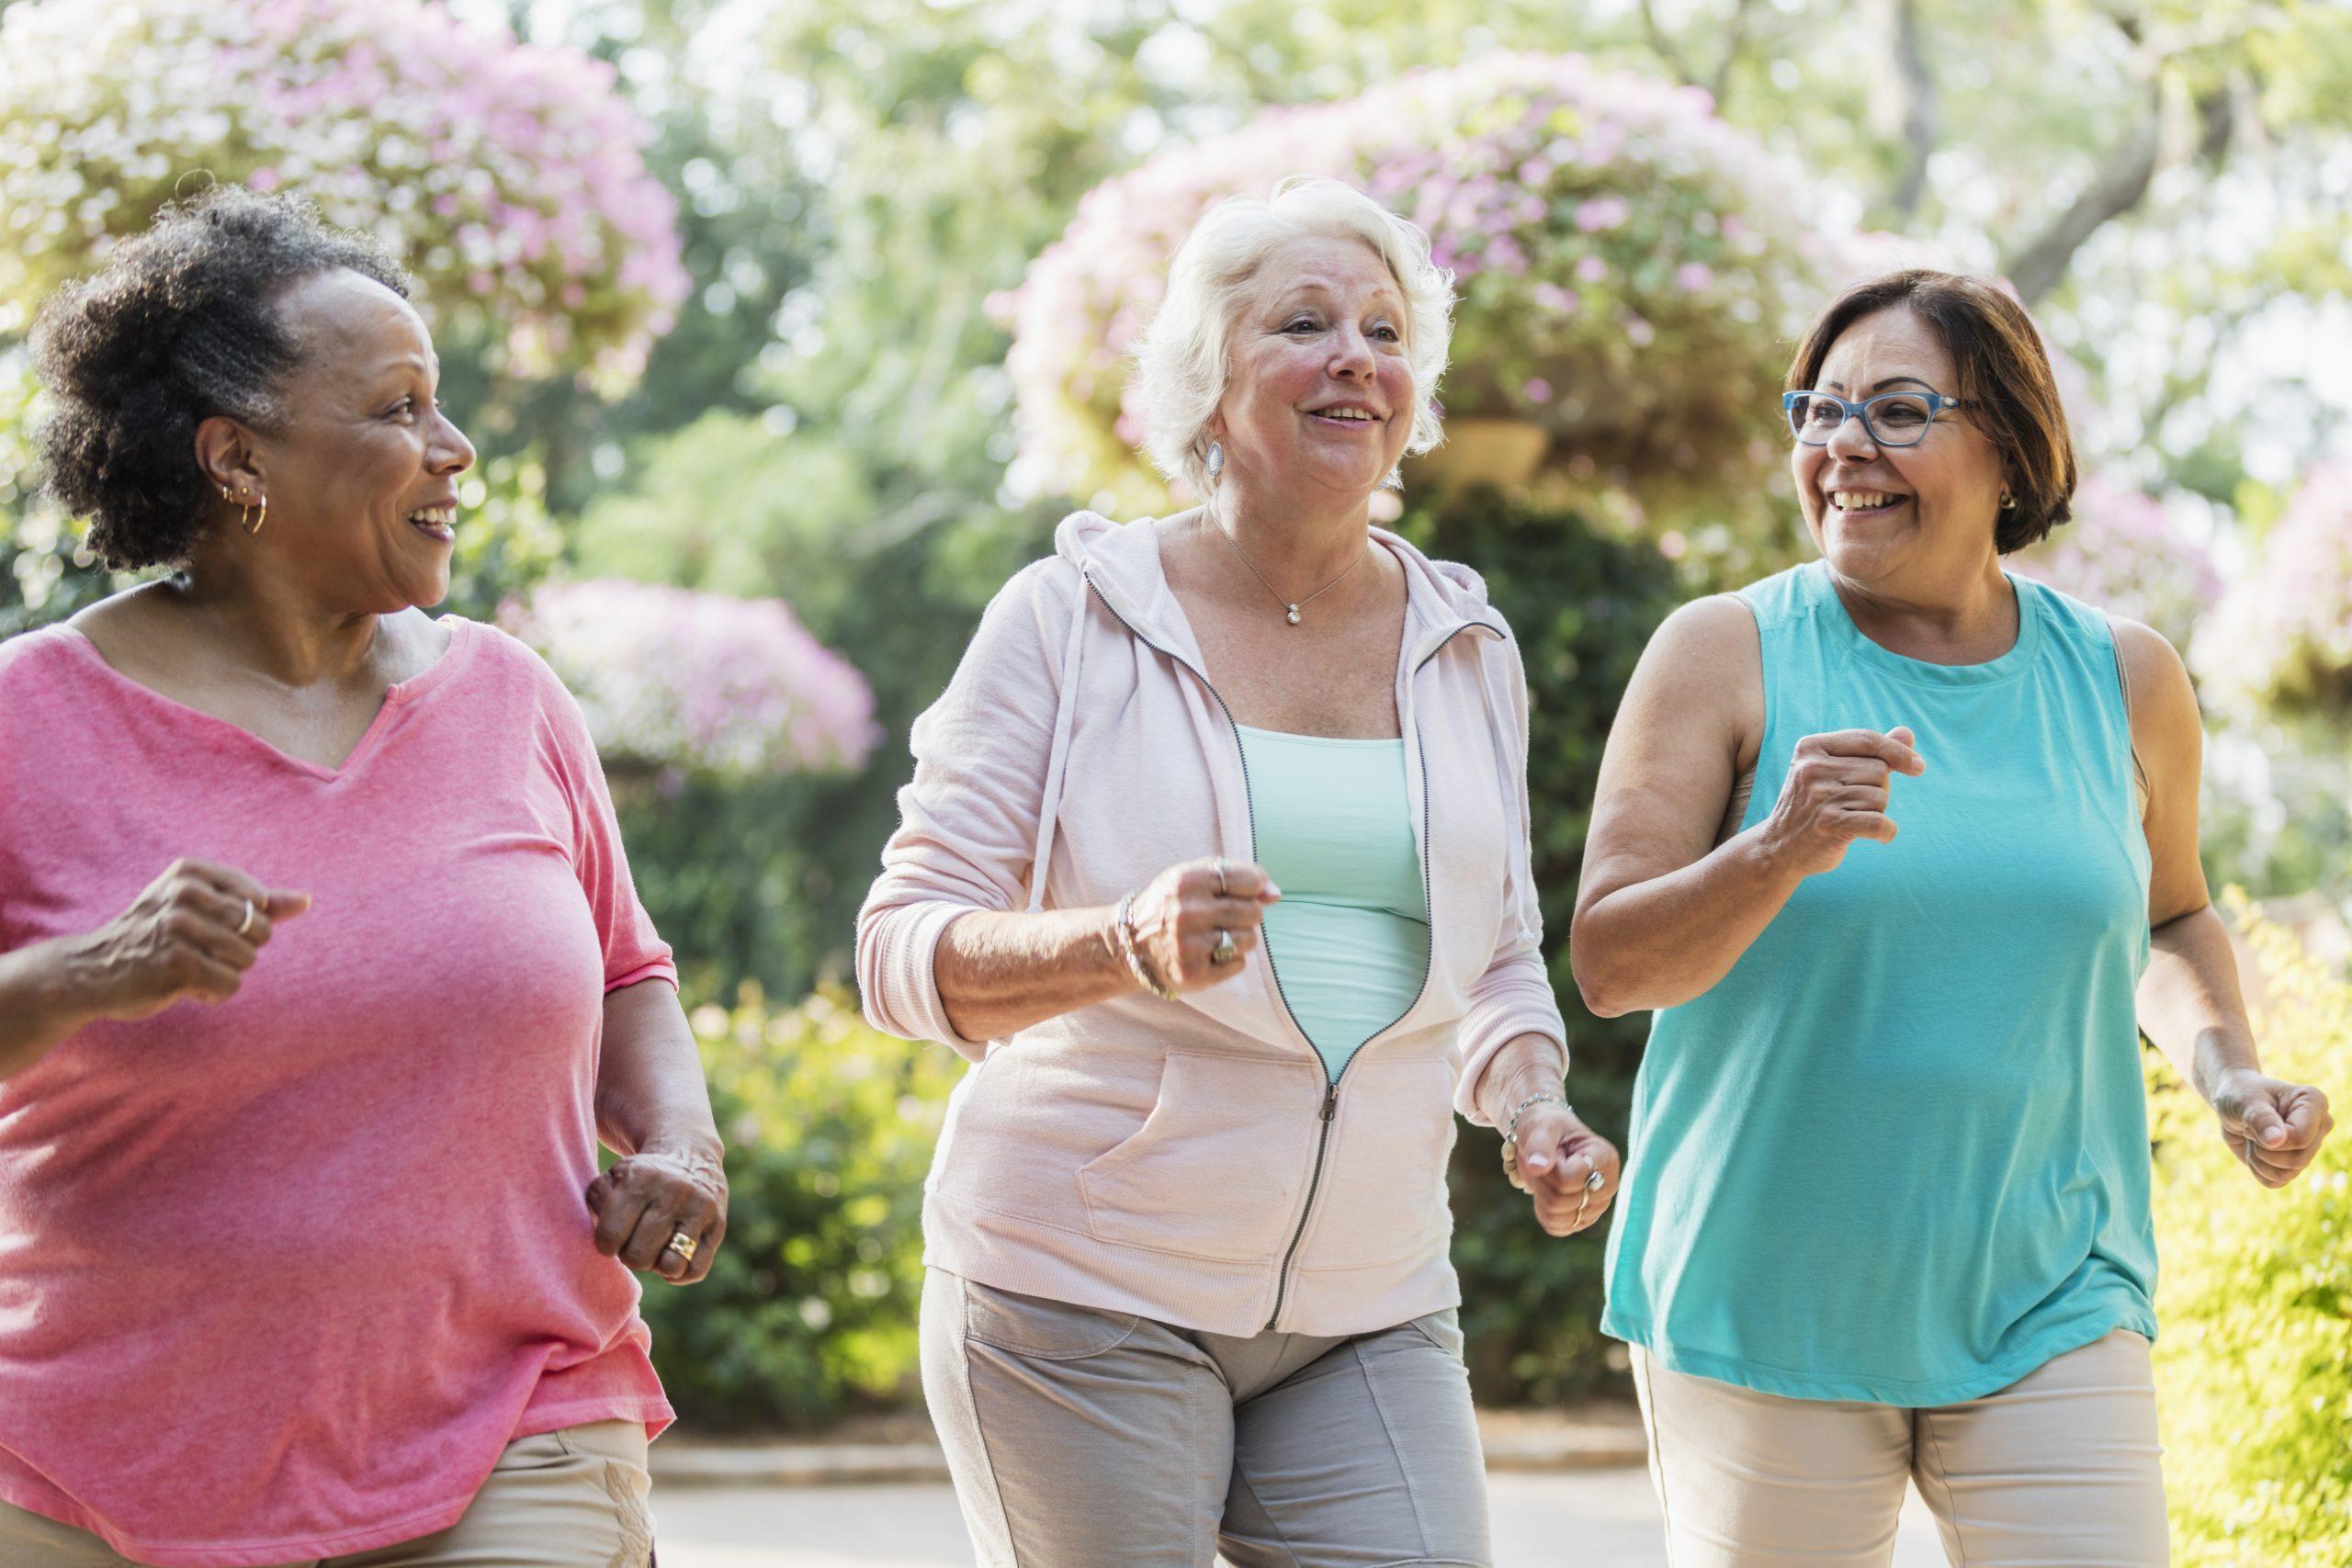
[
  {"x": 2059, "y": 1470},
  {"x": 574, "y": 1498}
]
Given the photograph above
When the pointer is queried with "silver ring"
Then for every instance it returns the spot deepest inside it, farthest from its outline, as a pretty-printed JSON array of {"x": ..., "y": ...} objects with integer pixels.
[
  {"x": 1219, "y": 864},
  {"x": 1225, "y": 950},
  {"x": 247, "y": 923}
]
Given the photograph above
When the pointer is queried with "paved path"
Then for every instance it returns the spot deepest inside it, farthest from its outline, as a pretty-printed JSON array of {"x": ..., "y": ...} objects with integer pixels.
[{"x": 1601, "y": 1518}]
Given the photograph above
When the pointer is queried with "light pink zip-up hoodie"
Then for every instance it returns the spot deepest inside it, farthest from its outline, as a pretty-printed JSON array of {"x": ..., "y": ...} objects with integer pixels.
[{"x": 1192, "y": 1160}]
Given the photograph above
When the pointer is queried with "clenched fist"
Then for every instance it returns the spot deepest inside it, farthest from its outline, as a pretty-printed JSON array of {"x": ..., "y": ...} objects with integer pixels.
[
  {"x": 1180, "y": 915},
  {"x": 1838, "y": 791},
  {"x": 191, "y": 935}
]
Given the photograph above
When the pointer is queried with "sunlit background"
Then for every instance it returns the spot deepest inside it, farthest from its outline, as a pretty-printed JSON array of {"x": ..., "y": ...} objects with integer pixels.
[{"x": 788, "y": 327}]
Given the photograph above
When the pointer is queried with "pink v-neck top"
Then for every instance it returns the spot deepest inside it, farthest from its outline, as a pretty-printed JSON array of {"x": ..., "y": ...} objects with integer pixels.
[{"x": 280, "y": 1276}]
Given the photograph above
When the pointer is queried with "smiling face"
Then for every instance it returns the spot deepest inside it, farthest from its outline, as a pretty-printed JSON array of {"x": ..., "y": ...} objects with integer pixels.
[
  {"x": 1319, "y": 391},
  {"x": 361, "y": 475},
  {"x": 1880, "y": 513}
]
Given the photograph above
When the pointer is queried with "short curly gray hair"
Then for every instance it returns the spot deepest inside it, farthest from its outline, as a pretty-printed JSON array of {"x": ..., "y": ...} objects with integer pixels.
[{"x": 1181, "y": 366}]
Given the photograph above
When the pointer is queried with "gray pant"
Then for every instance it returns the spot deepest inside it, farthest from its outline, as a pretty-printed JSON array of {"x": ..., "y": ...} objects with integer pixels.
[{"x": 1083, "y": 1438}]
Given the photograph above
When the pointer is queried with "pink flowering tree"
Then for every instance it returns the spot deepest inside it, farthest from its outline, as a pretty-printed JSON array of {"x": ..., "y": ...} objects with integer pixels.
[
  {"x": 508, "y": 178},
  {"x": 2125, "y": 553},
  {"x": 702, "y": 684},
  {"x": 1630, "y": 269},
  {"x": 2282, "y": 634}
]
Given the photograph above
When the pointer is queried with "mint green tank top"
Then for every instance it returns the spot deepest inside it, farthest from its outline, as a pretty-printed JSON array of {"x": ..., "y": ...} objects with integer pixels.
[
  {"x": 1900, "y": 1151},
  {"x": 1350, "y": 940}
]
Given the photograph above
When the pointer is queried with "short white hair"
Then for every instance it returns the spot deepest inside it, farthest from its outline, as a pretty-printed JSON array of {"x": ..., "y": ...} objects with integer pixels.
[{"x": 1181, "y": 363}]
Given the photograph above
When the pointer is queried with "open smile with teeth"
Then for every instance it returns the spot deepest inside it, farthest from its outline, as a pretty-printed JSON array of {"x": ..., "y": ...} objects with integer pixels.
[
  {"x": 1851, "y": 501},
  {"x": 1347, "y": 415},
  {"x": 440, "y": 522}
]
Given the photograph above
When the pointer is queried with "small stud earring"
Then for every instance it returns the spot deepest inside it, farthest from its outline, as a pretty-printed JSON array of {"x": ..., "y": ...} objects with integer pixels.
[
  {"x": 2009, "y": 502},
  {"x": 1216, "y": 458}
]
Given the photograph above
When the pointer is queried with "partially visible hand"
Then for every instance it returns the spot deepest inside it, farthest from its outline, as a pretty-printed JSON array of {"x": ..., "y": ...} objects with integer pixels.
[
  {"x": 192, "y": 934},
  {"x": 643, "y": 1200},
  {"x": 1559, "y": 1158},
  {"x": 1178, "y": 914},
  {"x": 2276, "y": 1128}
]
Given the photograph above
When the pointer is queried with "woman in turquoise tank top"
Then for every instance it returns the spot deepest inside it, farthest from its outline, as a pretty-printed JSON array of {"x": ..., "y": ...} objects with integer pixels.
[{"x": 1903, "y": 852}]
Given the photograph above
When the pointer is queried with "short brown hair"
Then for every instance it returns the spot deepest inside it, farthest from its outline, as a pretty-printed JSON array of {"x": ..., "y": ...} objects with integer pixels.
[{"x": 2004, "y": 379}]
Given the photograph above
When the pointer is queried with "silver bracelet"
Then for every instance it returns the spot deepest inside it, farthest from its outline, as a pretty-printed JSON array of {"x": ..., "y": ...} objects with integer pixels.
[
  {"x": 1550, "y": 1097},
  {"x": 1127, "y": 950}
]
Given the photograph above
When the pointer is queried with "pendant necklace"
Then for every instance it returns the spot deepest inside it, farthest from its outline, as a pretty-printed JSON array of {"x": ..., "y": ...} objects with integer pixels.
[{"x": 1291, "y": 610}]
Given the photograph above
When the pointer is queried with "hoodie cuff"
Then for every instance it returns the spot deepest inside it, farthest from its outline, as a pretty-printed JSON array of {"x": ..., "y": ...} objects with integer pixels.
[
  {"x": 1495, "y": 1030},
  {"x": 901, "y": 991}
]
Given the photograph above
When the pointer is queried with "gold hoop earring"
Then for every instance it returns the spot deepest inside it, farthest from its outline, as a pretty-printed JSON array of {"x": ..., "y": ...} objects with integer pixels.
[{"x": 255, "y": 517}]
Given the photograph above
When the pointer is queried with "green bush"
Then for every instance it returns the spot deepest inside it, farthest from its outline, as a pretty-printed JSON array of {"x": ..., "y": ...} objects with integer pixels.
[
  {"x": 809, "y": 1312},
  {"x": 2254, "y": 1358},
  {"x": 1582, "y": 606}
]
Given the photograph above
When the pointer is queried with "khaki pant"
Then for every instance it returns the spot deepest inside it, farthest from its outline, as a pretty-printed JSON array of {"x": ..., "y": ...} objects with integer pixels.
[
  {"x": 1082, "y": 1439},
  {"x": 2059, "y": 1470},
  {"x": 574, "y": 1498}
]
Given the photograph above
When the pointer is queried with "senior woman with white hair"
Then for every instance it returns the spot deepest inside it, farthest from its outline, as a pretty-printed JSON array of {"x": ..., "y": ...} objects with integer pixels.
[{"x": 1215, "y": 863}]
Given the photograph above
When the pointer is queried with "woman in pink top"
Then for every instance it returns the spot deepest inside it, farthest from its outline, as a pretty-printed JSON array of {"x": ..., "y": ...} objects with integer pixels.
[
  {"x": 321, "y": 974},
  {"x": 1189, "y": 1289}
]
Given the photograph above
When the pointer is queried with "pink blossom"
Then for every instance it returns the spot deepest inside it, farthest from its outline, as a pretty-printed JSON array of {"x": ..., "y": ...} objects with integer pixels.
[
  {"x": 1694, "y": 278},
  {"x": 1591, "y": 269},
  {"x": 1538, "y": 390}
]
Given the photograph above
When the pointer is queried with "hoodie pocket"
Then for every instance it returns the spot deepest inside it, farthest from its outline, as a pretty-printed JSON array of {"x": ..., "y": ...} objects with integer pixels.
[
  {"x": 1384, "y": 1197},
  {"x": 1217, "y": 1170}
]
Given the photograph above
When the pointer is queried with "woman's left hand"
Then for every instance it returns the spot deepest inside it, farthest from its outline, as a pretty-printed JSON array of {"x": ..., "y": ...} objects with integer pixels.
[
  {"x": 645, "y": 1199},
  {"x": 1569, "y": 1170},
  {"x": 2276, "y": 1128}
]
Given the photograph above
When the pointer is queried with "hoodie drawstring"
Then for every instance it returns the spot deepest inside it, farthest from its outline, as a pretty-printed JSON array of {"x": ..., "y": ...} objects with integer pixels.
[{"x": 1057, "y": 753}]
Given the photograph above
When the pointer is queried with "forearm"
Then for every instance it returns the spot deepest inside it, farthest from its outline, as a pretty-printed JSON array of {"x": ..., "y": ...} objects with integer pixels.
[
  {"x": 1527, "y": 1065},
  {"x": 999, "y": 973},
  {"x": 651, "y": 1096},
  {"x": 2190, "y": 1004},
  {"x": 42, "y": 1000},
  {"x": 1660, "y": 943}
]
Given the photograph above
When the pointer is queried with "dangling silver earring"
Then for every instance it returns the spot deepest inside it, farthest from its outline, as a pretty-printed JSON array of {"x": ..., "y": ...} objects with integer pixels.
[{"x": 1216, "y": 458}]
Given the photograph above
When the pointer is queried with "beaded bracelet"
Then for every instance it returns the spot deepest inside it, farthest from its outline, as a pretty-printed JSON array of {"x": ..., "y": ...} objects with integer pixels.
[{"x": 1127, "y": 950}]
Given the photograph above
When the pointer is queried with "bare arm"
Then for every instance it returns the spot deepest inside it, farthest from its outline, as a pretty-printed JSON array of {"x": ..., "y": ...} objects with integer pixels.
[
  {"x": 999, "y": 972},
  {"x": 1662, "y": 911},
  {"x": 44, "y": 997},
  {"x": 653, "y": 1109},
  {"x": 191, "y": 935},
  {"x": 2189, "y": 1000}
]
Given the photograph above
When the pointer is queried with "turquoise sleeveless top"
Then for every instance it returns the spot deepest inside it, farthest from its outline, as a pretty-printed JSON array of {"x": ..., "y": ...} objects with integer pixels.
[
  {"x": 1350, "y": 940},
  {"x": 1900, "y": 1151}
]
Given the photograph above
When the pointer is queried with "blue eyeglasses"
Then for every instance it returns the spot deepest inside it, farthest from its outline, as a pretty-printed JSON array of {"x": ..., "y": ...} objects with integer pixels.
[{"x": 1890, "y": 419}]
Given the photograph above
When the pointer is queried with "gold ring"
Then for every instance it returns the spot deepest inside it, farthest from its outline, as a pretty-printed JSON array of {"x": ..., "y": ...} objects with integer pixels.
[
  {"x": 682, "y": 1245},
  {"x": 247, "y": 923},
  {"x": 1225, "y": 950}
]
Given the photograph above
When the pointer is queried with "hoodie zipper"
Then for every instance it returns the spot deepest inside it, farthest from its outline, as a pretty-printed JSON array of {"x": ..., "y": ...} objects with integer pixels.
[{"x": 1331, "y": 1106}]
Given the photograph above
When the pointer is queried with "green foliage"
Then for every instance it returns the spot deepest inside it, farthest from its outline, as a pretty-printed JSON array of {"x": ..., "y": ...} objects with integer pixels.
[
  {"x": 2253, "y": 1365},
  {"x": 1582, "y": 606},
  {"x": 762, "y": 881},
  {"x": 809, "y": 1311}
]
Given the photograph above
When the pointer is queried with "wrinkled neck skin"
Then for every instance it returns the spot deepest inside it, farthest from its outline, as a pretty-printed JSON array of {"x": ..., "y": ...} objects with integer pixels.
[
  {"x": 1953, "y": 612},
  {"x": 1301, "y": 536},
  {"x": 268, "y": 621}
]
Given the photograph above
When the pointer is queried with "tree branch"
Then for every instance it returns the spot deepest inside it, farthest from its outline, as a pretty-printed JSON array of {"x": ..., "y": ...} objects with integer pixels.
[
  {"x": 2035, "y": 268},
  {"x": 1908, "y": 105},
  {"x": 1665, "y": 45},
  {"x": 1735, "y": 39}
]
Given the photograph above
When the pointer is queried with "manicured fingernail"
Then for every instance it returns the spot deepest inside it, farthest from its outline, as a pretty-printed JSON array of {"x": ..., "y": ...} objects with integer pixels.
[
  {"x": 2273, "y": 1135},
  {"x": 1536, "y": 1162},
  {"x": 1274, "y": 890}
]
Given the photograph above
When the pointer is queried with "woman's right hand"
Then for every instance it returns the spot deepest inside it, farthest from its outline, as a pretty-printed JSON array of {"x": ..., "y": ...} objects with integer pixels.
[
  {"x": 1837, "y": 791},
  {"x": 192, "y": 934},
  {"x": 1178, "y": 914}
]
